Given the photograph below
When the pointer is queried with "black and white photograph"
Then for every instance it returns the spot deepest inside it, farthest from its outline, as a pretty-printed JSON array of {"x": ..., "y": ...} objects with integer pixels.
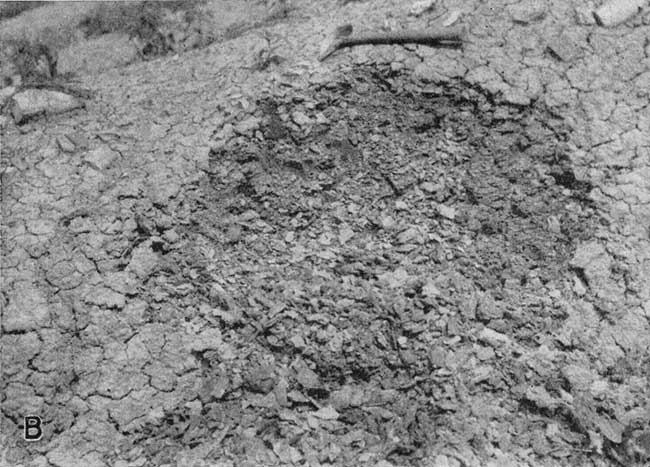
[{"x": 325, "y": 233}]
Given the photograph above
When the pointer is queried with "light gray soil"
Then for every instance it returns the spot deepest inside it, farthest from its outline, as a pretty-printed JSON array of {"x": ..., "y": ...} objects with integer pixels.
[{"x": 241, "y": 256}]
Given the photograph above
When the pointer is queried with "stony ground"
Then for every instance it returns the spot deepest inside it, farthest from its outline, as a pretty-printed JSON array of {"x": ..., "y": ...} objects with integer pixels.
[{"x": 400, "y": 256}]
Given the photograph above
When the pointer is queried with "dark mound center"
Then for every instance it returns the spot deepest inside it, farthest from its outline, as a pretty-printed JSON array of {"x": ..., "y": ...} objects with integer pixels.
[{"x": 494, "y": 179}]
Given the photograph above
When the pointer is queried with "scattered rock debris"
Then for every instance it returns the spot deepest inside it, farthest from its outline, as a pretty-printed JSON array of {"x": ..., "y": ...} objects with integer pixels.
[
  {"x": 419, "y": 257},
  {"x": 411, "y": 289}
]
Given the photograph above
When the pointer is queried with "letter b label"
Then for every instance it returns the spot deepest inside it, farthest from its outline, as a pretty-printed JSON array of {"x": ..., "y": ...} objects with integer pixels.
[{"x": 33, "y": 430}]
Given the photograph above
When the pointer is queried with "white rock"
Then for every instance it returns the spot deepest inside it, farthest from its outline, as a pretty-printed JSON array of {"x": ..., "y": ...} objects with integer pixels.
[
  {"x": 6, "y": 93},
  {"x": 421, "y": 6},
  {"x": 493, "y": 338},
  {"x": 446, "y": 211},
  {"x": 100, "y": 158},
  {"x": 617, "y": 11},
  {"x": 32, "y": 102},
  {"x": 143, "y": 260},
  {"x": 247, "y": 126},
  {"x": 65, "y": 144},
  {"x": 452, "y": 18},
  {"x": 300, "y": 118}
]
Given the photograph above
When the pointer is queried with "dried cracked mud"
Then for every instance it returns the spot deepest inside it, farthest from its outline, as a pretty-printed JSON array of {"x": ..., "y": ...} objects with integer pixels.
[{"x": 399, "y": 256}]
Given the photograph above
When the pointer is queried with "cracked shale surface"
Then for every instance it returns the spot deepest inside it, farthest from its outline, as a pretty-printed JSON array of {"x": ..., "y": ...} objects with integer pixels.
[{"x": 400, "y": 256}]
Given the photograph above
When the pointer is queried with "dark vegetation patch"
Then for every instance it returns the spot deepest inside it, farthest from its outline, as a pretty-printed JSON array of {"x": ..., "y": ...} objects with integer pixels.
[
  {"x": 33, "y": 59},
  {"x": 128, "y": 17},
  {"x": 156, "y": 28},
  {"x": 11, "y": 9},
  {"x": 159, "y": 27}
]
